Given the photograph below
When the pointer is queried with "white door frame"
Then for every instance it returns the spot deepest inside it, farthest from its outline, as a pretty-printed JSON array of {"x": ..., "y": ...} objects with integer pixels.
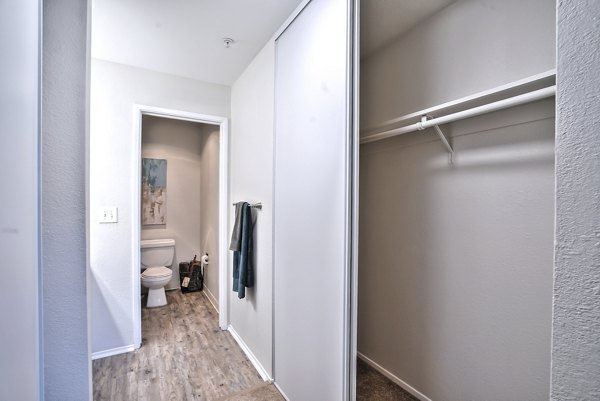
[{"x": 138, "y": 112}]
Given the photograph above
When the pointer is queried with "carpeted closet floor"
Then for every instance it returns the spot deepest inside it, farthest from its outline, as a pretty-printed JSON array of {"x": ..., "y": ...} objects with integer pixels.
[
  {"x": 184, "y": 356},
  {"x": 373, "y": 386}
]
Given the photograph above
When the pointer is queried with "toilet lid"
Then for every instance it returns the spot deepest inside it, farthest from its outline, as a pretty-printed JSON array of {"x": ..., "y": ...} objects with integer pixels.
[{"x": 159, "y": 271}]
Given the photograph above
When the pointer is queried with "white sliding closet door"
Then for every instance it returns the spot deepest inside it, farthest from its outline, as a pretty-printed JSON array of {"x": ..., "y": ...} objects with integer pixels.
[
  {"x": 313, "y": 196},
  {"x": 20, "y": 354}
]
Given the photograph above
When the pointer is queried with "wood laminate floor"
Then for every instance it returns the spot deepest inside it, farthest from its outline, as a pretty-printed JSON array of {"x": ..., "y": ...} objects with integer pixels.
[{"x": 184, "y": 356}]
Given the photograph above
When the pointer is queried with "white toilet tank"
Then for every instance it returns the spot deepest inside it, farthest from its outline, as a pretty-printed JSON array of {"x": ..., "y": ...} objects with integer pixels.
[{"x": 157, "y": 252}]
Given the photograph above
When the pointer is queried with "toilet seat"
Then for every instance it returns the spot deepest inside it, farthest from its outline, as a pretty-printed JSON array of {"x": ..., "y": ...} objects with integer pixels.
[{"x": 156, "y": 272}]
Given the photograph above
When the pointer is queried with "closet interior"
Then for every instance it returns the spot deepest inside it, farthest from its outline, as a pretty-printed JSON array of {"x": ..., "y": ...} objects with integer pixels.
[{"x": 456, "y": 200}]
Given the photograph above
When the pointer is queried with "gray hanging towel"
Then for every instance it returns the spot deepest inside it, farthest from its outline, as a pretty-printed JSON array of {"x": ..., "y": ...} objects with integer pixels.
[
  {"x": 243, "y": 268},
  {"x": 236, "y": 234}
]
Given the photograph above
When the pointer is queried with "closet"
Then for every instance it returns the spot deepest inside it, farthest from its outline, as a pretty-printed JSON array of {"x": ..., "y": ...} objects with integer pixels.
[{"x": 456, "y": 222}]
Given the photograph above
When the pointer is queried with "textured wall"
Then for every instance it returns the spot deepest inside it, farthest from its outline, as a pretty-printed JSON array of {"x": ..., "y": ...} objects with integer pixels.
[
  {"x": 64, "y": 127},
  {"x": 251, "y": 179},
  {"x": 576, "y": 334}
]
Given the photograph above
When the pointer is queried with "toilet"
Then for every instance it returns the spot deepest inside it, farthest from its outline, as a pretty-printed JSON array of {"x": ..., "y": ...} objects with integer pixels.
[{"x": 156, "y": 255}]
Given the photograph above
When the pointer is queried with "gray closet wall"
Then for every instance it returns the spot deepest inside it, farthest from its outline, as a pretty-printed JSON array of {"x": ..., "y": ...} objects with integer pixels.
[{"x": 456, "y": 261}]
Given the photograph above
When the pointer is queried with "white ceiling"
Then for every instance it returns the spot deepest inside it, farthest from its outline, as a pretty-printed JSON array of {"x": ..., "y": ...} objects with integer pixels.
[
  {"x": 381, "y": 21},
  {"x": 185, "y": 37}
]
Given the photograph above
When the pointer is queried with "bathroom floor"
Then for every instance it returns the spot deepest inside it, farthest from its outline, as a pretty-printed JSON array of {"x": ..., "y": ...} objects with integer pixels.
[{"x": 184, "y": 356}]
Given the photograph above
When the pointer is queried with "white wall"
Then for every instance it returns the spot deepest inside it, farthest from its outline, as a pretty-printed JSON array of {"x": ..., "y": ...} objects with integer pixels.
[
  {"x": 251, "y": 179},
  {"x": 182, "y": 144},
  {"x": 209, "y": 209},
  {"x": 455, "y": 262},
  {"x": 468, "y": 47},
  {"x": 67, "y": 370},
  {"x": 20, "y": 337},
  {"x": 576, "y": 334},
  {"x": 114, "y": 90}
]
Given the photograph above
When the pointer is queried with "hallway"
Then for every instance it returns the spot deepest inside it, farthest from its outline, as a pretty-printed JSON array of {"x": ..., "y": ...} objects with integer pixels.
[{"x": 184, "y": 356}]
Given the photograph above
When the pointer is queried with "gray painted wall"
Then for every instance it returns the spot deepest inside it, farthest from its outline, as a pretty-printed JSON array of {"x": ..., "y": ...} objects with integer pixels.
[
  {"x": 179, "y": 142},
  {"x": 64, "y": 264},
  {"x": 209, "y": 209},
  {"x": 20, "y": 373},
  {"x": 192, "y": 154},
  {"x": 470, "y": 46},
  {"x": 455, "y": 262},
  {"x": 251, "y": 179},
  {"x": 576, "y": 326}
]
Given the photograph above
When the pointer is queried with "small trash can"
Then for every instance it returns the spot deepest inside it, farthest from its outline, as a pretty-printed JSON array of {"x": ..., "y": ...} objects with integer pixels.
[{"x": 190, "y": 277}]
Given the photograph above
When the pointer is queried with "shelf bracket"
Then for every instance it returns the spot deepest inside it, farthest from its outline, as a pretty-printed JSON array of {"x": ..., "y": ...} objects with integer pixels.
[{"x": 442, "y": 136}]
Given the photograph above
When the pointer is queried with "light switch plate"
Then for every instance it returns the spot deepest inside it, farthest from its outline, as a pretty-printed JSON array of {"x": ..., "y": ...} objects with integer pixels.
[{"x": 108, "y": 215}]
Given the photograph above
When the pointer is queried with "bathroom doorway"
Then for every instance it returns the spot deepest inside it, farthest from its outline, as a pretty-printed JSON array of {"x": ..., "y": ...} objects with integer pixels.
[{"x": 195, "y": 149}]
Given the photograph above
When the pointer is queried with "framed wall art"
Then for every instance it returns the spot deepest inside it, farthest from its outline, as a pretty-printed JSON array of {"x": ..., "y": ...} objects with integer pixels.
[{"x": 154, "y": 191}]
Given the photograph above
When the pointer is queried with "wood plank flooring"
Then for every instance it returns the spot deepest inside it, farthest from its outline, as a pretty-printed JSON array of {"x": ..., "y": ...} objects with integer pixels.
[{"x": 184, "y": 356}]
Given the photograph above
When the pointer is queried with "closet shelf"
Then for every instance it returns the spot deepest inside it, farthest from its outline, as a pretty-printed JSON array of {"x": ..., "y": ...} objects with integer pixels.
[
  {"x": 529, "y": 84},
  {"x": 475, "y": 111}
]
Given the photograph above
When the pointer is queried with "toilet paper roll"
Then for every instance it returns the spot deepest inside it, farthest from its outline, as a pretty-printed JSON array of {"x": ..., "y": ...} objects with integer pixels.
[{"x": 204, "y": 259}]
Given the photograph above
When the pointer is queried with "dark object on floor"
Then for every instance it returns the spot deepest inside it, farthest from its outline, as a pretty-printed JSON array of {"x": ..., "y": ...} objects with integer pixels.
[
  {"x": 190, "y": 276},
  {"x": 373, "y": 386}
]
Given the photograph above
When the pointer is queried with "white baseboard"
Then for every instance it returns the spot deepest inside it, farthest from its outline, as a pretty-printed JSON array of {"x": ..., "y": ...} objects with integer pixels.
[
  {"x": 393, "y": 378},
  {"x": 211, "y": 298},
  {"x": 281, "y": 391},
  {"x": 114, "y": 351},
  {"x": 257, "y": 365}
]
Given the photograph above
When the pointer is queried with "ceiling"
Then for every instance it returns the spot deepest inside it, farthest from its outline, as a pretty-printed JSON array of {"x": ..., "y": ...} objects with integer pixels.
[{"x": 185, "y": 37}]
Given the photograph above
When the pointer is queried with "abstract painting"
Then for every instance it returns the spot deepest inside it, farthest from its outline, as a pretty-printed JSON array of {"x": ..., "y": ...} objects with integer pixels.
[{"x": 154, "y": 191}]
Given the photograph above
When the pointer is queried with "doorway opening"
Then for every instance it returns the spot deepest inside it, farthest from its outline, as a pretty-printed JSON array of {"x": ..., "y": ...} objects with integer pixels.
[{"x": 198, "y": 167}]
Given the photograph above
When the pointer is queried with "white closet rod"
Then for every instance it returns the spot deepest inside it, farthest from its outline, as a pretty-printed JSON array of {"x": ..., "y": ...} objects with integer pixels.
[{"x": 475, "y": 111}]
